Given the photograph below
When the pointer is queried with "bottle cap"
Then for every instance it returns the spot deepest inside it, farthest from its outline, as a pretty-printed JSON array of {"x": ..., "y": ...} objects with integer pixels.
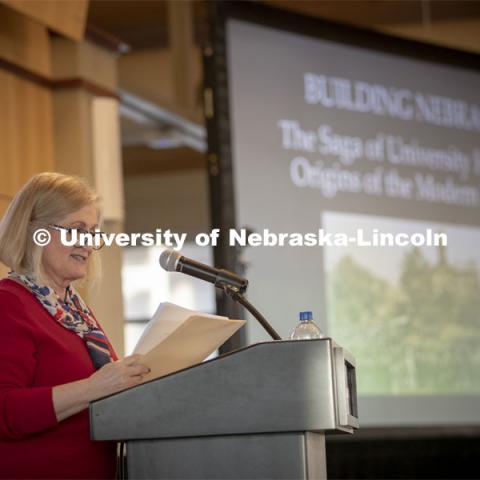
[{"x": 304, "y": 316}]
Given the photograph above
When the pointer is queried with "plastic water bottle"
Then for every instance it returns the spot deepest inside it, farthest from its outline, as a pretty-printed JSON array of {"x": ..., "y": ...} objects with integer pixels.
[{"x": 306, "y": 328}]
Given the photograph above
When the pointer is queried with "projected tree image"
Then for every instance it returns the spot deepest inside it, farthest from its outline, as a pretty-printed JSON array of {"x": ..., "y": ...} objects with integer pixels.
[{"x": 420, "y": 336}]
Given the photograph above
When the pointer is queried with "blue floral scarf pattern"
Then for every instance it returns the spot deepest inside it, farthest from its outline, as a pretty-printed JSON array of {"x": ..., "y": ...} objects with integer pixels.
[{"x": 73, "y": 314}]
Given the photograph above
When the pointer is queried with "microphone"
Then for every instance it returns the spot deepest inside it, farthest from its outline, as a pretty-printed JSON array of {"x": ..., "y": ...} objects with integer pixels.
[{"x": 173, "y": 261}]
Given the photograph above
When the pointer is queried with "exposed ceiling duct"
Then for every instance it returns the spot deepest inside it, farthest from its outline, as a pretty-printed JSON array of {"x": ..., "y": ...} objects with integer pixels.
[{"x": 159, "y": 127}]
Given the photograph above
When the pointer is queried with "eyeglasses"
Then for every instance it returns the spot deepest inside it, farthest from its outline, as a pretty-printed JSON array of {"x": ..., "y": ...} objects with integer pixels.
[{"x": 93, "y": 238}]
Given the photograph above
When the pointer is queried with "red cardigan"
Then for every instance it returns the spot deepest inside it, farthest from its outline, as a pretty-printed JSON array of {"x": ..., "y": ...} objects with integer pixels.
[{"x": 37, "y": 353}]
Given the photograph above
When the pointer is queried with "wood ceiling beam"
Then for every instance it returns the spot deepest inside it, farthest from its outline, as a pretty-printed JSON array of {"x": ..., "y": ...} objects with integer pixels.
[{"x": 65, "y": 17}]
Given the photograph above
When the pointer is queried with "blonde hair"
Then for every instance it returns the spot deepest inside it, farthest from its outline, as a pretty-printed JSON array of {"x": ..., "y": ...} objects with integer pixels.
[{"x": 46, "y": 198}]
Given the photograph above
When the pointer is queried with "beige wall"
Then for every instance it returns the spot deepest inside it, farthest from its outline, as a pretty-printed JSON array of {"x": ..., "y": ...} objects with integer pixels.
[{"x": 177, "y": 200}]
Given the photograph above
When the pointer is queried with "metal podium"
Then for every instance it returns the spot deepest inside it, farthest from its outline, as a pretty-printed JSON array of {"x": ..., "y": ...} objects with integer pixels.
[{"x": 255, "y": 413}]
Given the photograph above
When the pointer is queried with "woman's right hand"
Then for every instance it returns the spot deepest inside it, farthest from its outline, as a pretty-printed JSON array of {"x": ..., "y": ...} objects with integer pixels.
[{"x": 116, "y": 376}]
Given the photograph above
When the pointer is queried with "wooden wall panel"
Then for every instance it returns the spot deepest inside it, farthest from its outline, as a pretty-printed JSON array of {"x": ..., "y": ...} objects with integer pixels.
[
  {"x": 24, "y": 42},
  {"x": 84, "y": 60},
  {"x": 63, "y": 16},
  {"x": 4, "y": 202},
  {"x": 73, "y": 135},
  {"x": 26, "y": 131}
]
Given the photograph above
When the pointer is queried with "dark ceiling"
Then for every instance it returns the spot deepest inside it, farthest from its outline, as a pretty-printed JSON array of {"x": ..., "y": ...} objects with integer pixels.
[
  {"x": 144, "y": 23},
  {"x": 141, "y": 23}
]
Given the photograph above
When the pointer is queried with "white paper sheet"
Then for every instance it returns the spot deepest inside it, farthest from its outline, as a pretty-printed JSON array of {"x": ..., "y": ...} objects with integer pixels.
[{"x": 177, "y": 338}]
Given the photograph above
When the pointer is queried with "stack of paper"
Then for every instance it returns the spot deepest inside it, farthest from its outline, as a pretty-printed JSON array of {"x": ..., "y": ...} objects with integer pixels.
[{"x": 177, "y": 338}]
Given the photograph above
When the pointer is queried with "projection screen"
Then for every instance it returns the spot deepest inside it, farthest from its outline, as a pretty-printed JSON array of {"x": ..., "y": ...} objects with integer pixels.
[{"x": 335, "y": 138}]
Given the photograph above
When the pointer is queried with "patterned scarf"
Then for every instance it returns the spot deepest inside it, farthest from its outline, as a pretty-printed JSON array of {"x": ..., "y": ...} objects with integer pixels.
[{"x": 73, "y": 314}]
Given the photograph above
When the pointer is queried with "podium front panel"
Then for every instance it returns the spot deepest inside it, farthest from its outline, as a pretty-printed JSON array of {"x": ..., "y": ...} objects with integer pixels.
[{"x": 280, "y": 386}]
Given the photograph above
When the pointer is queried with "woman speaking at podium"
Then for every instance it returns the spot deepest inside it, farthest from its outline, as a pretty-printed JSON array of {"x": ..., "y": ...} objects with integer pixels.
[{"x": 54, "y": 356}]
